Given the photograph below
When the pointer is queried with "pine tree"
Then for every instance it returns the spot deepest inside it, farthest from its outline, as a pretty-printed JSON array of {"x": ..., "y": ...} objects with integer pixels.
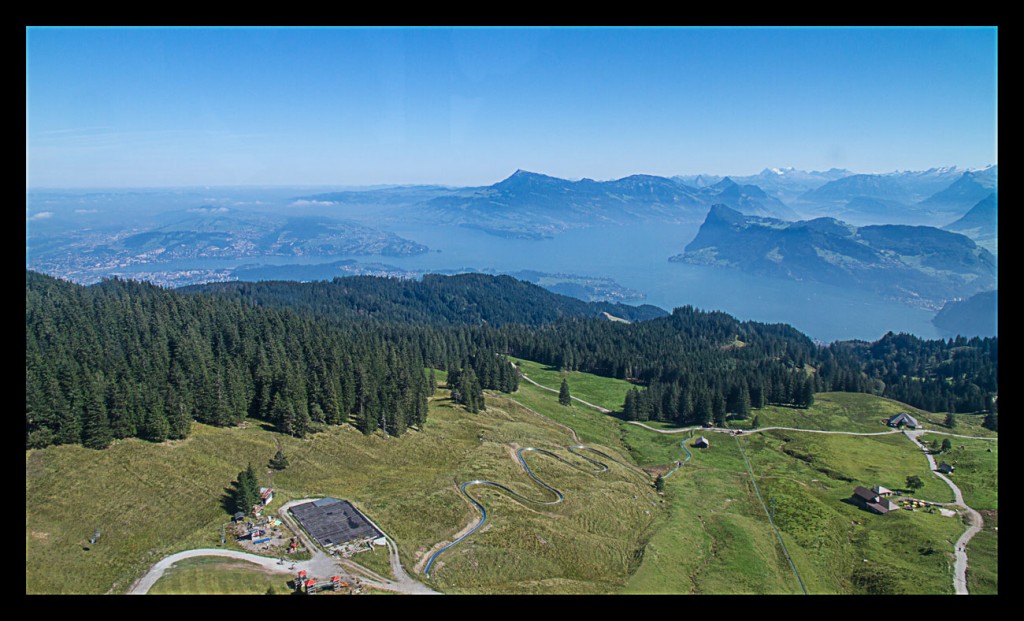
[
  {"x": 743, "y": 403},
  {"x": 95, "y": 427},
  {"x": 179, "y": 420},
  {"x": 991, "y": 421},
  {"x": 247, "y": 490},
  {"x": 718, "y": 409},
  {"x": 279, "y": 461},
  {"x": 950, "y": 421},
  {"x": 629, "y": 407},
  {"x": 659, "y": 484},
  {"x": 155, "y": 427},
  {"x": 564, "y": 398}
]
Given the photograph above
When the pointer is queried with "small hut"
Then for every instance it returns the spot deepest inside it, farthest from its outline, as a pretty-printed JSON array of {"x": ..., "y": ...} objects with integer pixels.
[{"x": 701, "y": 442}]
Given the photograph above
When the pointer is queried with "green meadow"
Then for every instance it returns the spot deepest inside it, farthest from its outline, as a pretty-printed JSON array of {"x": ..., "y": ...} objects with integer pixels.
[{"x": 708, "y": 532}]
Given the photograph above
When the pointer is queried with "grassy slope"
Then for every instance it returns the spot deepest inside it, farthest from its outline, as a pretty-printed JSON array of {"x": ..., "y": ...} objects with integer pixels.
[
  {"x": 966, "y": 424},
  {"x": 983, "y": 554},
  {"x": 606, "y": 392},
  {"x": 976, "y": 469},
  {"x": 152, "y": 500},
  {"x": 834, "y": 411},
  {"x": 219, "y": 576},
  {"x": 589, "y": 424},
  {"x": 710, "y": 534},
  {"x": 733, "y": 550},
  {"x": 829, "y": 537},
  {"x": 714, "y": 537}
]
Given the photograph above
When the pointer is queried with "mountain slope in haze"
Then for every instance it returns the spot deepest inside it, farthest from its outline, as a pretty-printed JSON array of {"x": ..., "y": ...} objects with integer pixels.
[
  {"x": 981, "y": 223},
  {"x": 921, "y": 266},
  {"x": 907, "y": 197},
  {"x": 962, "y": 194},
  {"x": 746, "y": 198},
  {"x": 978, "y": 315}
]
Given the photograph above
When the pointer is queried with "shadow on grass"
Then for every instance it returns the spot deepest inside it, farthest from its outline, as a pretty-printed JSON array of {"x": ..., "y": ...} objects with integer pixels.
[
  {"x": 227, "y": 500},
  {"x": 856, "y": 503}
]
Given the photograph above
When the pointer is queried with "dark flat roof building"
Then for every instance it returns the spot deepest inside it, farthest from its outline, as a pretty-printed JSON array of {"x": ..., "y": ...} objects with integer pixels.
[{"x": 332, "y": 522}]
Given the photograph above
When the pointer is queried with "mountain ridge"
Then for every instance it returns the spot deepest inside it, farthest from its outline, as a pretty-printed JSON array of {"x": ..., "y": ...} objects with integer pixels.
[{"x": 918, "y": 265}]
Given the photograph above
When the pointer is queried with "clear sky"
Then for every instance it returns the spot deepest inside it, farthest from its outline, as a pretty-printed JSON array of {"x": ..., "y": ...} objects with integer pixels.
[{"x": 145, "y": 107}]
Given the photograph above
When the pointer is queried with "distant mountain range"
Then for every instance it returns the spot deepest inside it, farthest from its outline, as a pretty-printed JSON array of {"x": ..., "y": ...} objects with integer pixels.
[
  {"x": 532, "y": 205},
  {"x": 925, "y": 197},
  {"x": 785, "y": 184},
  {"x": 918, "y": 265},
  {"x": 528, "y": 204}
]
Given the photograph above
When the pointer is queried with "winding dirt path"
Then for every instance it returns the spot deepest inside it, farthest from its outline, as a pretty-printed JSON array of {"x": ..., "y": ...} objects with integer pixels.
[
  {"x": 975, "y": 519},
  {"x": 759, "y": 429}
]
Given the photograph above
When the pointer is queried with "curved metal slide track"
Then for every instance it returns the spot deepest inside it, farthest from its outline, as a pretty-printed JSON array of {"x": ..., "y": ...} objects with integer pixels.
[{"x": 557, "y": 495}]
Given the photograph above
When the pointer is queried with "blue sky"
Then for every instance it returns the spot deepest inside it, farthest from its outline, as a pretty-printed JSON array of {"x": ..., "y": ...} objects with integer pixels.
[{"x": 149, "y": 107}]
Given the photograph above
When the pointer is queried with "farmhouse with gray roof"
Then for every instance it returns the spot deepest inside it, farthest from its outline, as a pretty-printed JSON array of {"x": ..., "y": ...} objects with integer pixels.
[
  {"x": 871, "y": 500},
  {"x": 903, "y": 419}
]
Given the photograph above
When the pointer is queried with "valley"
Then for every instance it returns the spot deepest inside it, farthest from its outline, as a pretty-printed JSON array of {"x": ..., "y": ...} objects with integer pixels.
[
  {"x": 707, "y": 534},
  {"x": 593, "y": 240}
]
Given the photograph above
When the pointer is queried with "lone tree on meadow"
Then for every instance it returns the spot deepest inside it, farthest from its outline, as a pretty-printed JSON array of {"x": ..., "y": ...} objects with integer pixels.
[
  {"x": 950, "y": 421},
  {"x": 946, "y": 445},
  {"x": 659, "y": 484},
  {"x": 914, "y": 483},
  {"x": 563, "y": 394},
  {"x": 279, "y": 462}
]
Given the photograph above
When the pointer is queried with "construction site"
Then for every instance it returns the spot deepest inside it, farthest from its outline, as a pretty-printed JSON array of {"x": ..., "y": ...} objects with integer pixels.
[
  {"x": 337, "y": 526},
  {"x": 307, "y": 585}
]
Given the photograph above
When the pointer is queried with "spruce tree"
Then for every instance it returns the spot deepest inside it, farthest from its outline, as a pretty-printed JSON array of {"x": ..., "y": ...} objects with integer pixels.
[
  {"x": 247, "y": 490},
  {"x": 155, "y": 427},
  {"x": 279, "y": 461},
  {"x": 95, "y": 427},
  {"x": 629, "y": 407},
  {"x": 564, "y": 397}
]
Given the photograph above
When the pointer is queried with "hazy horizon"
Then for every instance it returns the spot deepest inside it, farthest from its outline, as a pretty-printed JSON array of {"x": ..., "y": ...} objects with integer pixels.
[
  {"x": 343, "y": 187},
  {"x": 130, "y": 107}
]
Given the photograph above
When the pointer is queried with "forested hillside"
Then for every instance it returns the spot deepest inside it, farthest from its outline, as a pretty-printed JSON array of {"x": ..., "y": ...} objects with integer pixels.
[
  {"x": 460, "y": 299},
  {"x": 122, "y": 359}
]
